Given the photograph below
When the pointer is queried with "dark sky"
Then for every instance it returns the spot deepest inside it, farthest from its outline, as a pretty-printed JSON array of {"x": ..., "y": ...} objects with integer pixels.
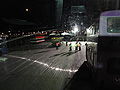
[
  {"x": 42, "y": 8},
  {"x": 40, "y": 11}
]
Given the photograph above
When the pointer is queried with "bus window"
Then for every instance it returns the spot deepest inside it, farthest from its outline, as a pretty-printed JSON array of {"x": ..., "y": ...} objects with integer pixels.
[{"x": 113, "y": 24}]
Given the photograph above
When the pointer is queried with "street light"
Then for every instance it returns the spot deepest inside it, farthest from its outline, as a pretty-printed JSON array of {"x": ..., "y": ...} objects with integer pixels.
[
  {"x": 75, "y": 29},
  {"x": 81, "y": 23},
  {"x": 26, "y": 9}
]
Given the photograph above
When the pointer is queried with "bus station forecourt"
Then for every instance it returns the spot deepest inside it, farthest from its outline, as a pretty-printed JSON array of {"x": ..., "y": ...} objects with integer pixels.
[{"x": 40, "y": 68}]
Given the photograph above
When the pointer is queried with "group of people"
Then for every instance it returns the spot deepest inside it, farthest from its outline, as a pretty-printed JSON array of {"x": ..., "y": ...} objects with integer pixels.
[{"x": 77, "y": 46}]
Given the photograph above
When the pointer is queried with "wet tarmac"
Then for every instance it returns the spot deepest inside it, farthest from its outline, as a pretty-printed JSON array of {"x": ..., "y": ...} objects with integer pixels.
[
  {"x": 82, "y": 79},
  {"x": 40, "y": 69}
]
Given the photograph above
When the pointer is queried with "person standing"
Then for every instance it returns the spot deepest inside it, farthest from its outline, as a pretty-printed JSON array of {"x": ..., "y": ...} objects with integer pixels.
[
  {"x": 66, "y": 43},
  {"x": 70, "y": 47},
  {"x": 79, "y": 46},
  {"x": 76, "y": 47},
  {"x": 57, "y": 45}
]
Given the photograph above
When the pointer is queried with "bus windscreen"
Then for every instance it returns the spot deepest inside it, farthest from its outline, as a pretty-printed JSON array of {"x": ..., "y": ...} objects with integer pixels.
[{"x": 113, "y": 24}]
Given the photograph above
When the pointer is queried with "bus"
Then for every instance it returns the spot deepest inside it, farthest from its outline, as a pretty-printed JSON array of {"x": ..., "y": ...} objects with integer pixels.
[
  {"x": 103, "y": 49},
  {"x": 56, "y": 39},
  {"x": 39, "y": 37}
]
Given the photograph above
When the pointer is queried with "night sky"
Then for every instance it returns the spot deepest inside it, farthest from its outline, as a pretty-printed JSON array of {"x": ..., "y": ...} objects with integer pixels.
[
  {"x": 43, "y": 12},
  {"x": 40, "y": 11}
]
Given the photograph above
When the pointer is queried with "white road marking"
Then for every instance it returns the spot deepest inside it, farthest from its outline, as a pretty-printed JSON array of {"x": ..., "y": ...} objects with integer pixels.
[{"x": 44, "y": 64}]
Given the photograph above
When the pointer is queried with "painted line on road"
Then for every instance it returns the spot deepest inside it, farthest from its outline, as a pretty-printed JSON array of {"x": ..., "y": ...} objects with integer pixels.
[{"x": 44, "y": 64}]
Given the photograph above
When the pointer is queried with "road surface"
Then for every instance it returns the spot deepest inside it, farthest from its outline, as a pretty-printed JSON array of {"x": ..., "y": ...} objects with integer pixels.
[{"x": 40, "y": 69}]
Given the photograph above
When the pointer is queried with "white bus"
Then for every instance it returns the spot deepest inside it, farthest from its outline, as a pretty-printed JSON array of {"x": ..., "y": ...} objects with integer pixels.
[{"x": 103, "y": 49}]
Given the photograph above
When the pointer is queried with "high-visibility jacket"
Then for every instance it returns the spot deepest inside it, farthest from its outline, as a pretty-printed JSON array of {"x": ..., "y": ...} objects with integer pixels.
[
  {"x": 76, "y": 45},
  {"x": 79, "y": 45}
]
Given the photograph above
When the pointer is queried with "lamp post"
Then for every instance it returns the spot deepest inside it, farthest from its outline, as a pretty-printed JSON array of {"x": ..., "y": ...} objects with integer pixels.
[{"x": 27, "y": 13}]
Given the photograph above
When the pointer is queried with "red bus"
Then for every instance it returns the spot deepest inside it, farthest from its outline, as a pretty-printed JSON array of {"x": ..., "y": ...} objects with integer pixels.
[{"x": 38, "y": 38}]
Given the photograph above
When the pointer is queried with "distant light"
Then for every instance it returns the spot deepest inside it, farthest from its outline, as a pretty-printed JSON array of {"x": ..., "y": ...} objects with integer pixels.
[
  {"x": 111, "y": 30},
  {"x": 80, "y": 12},
  {"x": 2, "y": 33},
  {"x": 26, "y": 9},
  {"x": 8, "y": 31},
  {"x": 75, "y": 29},
  {"x": 23, "y": 33},
  {"x": 81, "y": 23}
]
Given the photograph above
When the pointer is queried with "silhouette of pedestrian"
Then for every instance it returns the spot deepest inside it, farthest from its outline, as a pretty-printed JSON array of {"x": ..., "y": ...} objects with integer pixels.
[
  {"x": 57, "y": 45},
  {"x": 70, "y": 47},
  {"x": 76, "y": 47},
  {"x": 79, "y": 46},
  {"x": 66, "y": 43}
]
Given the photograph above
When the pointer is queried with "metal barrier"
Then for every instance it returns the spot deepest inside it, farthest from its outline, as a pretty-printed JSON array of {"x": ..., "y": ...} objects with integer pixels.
[{"x": 19, "y": 43}]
